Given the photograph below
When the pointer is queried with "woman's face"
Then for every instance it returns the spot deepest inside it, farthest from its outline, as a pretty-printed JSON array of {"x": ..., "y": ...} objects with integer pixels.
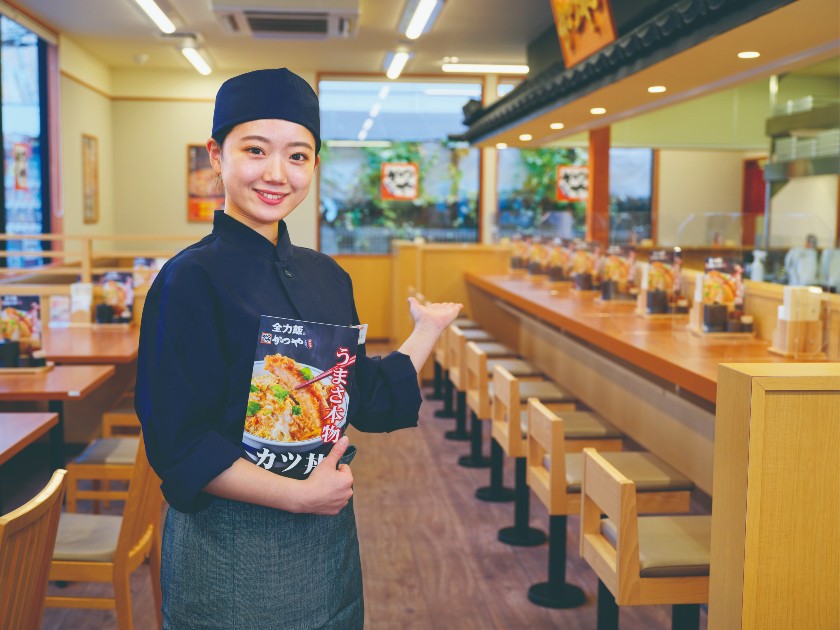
[{"x": 266, "y": 167}]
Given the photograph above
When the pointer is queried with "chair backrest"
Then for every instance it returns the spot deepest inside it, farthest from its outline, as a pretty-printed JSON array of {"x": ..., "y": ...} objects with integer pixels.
[
  {"x": 605, "y": 490},
  {"x": 27, "y": 539},
  {"x": 141, "y": 516},
  {"x": 546, "y": 436},
  {"x": 455, "y": 343},
  {"x": 506, "y": 412},
  {"x": 475, "y": 379}
]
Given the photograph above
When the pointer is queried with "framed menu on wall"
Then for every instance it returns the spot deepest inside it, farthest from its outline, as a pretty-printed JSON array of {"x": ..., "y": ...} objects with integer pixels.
[{"x": 205, "y": 193}]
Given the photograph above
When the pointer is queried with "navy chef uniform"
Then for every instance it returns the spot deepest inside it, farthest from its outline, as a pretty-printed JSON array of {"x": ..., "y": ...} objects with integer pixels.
[{"x": 228, "y": 563}]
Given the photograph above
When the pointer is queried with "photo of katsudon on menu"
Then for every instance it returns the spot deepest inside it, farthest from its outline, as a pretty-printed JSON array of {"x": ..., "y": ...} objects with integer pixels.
[{"x": 299, "y": 393}]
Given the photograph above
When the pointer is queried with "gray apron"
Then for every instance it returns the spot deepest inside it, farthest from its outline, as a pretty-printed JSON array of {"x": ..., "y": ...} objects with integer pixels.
[{"x": 239, "y": 565}]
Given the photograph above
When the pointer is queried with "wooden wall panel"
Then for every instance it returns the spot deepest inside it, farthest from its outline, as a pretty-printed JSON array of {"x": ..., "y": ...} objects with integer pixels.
[{"x": 371, "y": 277}]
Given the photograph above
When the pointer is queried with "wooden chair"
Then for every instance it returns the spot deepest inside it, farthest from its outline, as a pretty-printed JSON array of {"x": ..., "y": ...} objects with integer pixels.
[
  {"x": 106, "y": 459},
  {"x": 27, "y": 537},
  {"x": 640, "y": 561},
  {"x": 456, "y": 348},
  {"x": 104, "y": 548},
  {"x": 479, "y": 389},
  {"x": 509, "y": 430},
  {"x": 555, "y": 467}
]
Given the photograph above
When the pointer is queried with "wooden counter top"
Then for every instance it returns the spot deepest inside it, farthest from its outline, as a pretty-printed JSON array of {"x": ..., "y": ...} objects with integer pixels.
[
  {"x": 663, "y": 347},
  {"x": 63, "y": 382}
]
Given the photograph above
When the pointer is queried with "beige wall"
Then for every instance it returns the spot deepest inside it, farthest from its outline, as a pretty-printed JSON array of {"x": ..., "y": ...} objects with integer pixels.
[{"x": 807, "y": 205}]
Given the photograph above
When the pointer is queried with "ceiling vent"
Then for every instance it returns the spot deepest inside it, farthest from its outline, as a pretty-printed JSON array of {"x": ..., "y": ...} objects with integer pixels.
[{"x": 312, "y": 20}]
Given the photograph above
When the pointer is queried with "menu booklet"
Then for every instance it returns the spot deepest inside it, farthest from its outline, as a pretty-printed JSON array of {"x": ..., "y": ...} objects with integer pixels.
[{"x": 300, "y": 393}]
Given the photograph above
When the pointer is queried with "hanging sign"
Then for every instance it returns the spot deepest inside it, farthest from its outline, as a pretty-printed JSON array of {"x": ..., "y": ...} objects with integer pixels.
[
  {"x": 583, "y": 26},
  {"x": 400, "y": 180},
  {"x": 572, "y": 183}
]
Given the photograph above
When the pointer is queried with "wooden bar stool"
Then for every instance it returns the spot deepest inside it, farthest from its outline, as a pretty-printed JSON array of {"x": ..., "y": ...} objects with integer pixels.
[
  {"x": 554, "y": 474},
  {"x": 456, "y": 345},
  {"x": 510, "y": 395},
  {"x": 640, "y": 561},
  {"x": 464, "y": 323},
  {"x": 479, "y": 370}
]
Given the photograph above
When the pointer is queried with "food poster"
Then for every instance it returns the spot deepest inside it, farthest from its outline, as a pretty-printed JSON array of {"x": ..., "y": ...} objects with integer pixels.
[
  {"x": 20, "y": 320},
  {"x": 723, "y": 281},
  {"x": 664, "y": 272},
  {"x": 400, "y": 180},
  {"x": 205, "y": 193},
  {"x": 299, "y": 395},
  {"x": 585, "y": 258},
  {"x": 619, "y": 267},
  {"x": 59, "y": 312},
  {"x": 117, "y": 291},
  {"x": 560, "y": 259},
  {"x": 145, "y": 270}
]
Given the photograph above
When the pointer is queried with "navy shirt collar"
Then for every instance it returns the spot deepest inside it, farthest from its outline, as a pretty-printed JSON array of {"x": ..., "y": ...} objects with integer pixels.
[{"x": 240, "y": 234}]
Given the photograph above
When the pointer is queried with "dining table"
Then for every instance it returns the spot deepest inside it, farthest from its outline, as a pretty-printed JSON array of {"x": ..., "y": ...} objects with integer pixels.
[
  {"x": 19, "y": 430},
  {"x": 55, "y": 385},
  {"x": 85, "y": 345}
]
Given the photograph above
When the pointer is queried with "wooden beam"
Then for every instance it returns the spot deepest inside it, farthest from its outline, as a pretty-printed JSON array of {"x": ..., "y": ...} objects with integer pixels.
[{"x": 598, "y": 202}]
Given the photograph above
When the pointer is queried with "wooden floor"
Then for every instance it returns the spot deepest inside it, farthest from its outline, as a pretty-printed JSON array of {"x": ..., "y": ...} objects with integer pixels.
[{"x": 430, "y": 554}]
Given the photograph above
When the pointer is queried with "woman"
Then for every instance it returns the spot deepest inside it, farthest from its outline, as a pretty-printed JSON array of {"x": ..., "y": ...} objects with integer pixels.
[{"x": 242, "y": 546}]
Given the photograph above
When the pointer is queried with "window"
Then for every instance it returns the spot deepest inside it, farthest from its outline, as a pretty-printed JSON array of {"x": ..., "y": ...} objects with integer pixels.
[
  {"x": 388, "y": 169},
  {"x": 531, "y": 203},
  {"x": 25, "y": 193}
]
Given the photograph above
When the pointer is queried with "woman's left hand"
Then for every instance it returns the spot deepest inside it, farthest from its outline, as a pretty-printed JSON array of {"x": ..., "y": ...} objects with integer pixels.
[{"x": 435, "y": 316}]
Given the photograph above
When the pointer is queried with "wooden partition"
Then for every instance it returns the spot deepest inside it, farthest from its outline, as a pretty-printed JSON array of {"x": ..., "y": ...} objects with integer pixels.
[
  {"x": 776, "y": 513},
  {"x": 371, "y": 277}
]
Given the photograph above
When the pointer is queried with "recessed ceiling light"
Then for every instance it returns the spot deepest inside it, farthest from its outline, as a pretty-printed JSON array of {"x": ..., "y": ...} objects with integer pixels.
[
  {"x": 198, "y": 62},
  {"x": 597, "y": 111},
  {"x": 556, "y": 125},
  {"x": 422, "y": 13},
  {"x": 501, "y": 145},
  {"x": 525, "y": 137},
  {"x": 656, "y": 89},
  {"x": 749, "y": 54},
  {"x": 156, "y": 15},
  {"x": 484, "y": 68}
]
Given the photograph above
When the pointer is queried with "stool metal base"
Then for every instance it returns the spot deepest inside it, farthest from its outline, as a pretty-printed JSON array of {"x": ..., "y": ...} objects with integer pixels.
[
  {"x": 458, "y": 435},
  {"x": 471, "y": 461},
  {"x": 495, "y": 495},
  {"x": 549, "y": 596},
  {"x": 444, "y": 414},
  {"x": 522, "y": 537}
]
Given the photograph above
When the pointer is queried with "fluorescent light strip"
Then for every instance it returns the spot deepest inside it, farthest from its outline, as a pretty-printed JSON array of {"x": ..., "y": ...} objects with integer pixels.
[
  {"x": 156, "y": 15},
  {"x": 421, "y": 16},
  {"x": 367, "y": 124},
  {"x": 484, "y": 68},
  {"x": 374, "y": 110},
  {"x": 397, "y": 64},
  {"x": 196, "y": 60}
]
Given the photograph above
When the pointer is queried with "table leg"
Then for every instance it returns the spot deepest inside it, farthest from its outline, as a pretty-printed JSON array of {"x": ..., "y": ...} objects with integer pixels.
[{"x": 57, "y": 436}]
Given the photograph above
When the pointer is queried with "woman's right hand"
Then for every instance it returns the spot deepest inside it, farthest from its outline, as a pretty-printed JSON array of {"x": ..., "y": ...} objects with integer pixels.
[{"x": 330, "y": 486}]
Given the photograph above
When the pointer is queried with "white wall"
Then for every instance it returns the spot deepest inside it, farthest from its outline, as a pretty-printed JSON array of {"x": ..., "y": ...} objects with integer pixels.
[{"x": 697, "y": 182}]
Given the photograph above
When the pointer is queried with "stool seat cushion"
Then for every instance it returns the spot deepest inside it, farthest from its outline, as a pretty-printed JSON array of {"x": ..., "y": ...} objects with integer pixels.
[
  {"x": 670, "y": 546},
  {"x": 123, "y": 405},
  {"x": 581, "y": 425},
  {"x": 546, "y": 391},
  {"x": 494, "y": 349},
  {"x": 477, "y": 334},
  {"x": 119, "y": 451},
  {"x": 87, "y": 537},
  {"x": 465, "y": 323},
  {"x": 517, "y": 367},
  {"x": 648, "y": 472}
]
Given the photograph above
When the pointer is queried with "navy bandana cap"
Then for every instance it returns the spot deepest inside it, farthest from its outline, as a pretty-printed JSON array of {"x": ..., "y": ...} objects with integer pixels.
[{"x": 266, "y": 94}]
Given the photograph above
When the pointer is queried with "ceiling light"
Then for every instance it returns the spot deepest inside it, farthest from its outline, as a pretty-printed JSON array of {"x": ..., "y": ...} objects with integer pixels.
[
  {"x": 473, "y": 92},
  {"x": 198, "y": 62},
  {"x": 382, "y": 144},
  {"x": 421, "y": 18},
  {"x": 383, "y": 92},
  {"x": 367, "y": 124},
  {"x": 657, "y": 89},
  {"x": 749, "y": 54},
  {"x": 374, "y": 110},
  {"x": 362, "y": 135},
  {"x": 597, "y": 111},
  {"x": 484, "y": 68},
  {"x": 396, "y": 64},
  {"x": 156, "y": 15},
  {"x": 556, "y": 125},
  {"x": 525, "y": 137},
  {"x": 501, "y": 145}
]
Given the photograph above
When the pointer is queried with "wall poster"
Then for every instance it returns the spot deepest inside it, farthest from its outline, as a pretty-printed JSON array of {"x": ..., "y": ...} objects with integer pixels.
[{"x": 90, "y": 179}]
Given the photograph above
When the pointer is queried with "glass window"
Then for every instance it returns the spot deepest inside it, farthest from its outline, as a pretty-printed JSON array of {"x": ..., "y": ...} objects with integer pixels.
[
  {"x": 388, "y": 169},
  {"x": 25, "y": 210},
  {"x": 531, "y": 202}
]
